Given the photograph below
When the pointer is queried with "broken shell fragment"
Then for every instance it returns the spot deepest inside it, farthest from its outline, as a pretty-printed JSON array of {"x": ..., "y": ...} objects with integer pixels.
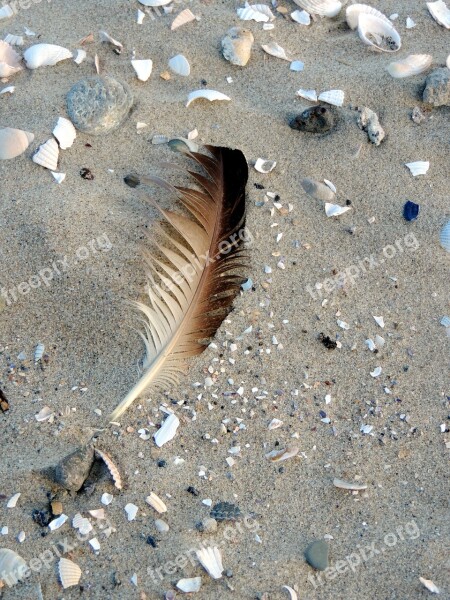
[
  {"x": 431, "y": 587},
  {"x": 347, "y": 485},
  {"x": 444, "y": 238},
  {"x": 9, "y": 60},
  {"x": 284, "y": 454},
  {"x": 112, "y": 468},
  {"x": 12, "y": 567},
  {"x": 73, "y": 470},
  {"x": 316, "y": 119},
  {"x": 192, "y": 584},
  {"x": 155, "y": 502},
  {"x": 376, "y": 32},
  {"x": 131, "y": 510},
  {"x": 105, "y": 37},
  {"x": 368, "y": 122},
  {"x": 143, "y": 68},
  {"x": 211, "y": 560},
  {"x": 354, "y": 11},
  {"x": 260, "y": 13},
  {"x": 440, "y": 13},
  {"x": 411, "y": 65},
  {"x": 6, "y": 12},
  {"x": 334, "y": 210},
  {"x": 318, "y": 190},
  {"x": 334, "y": 97},
  {"x": 14, "y": 142},
  {"x": 12, "y": 502},
  {"x": 420, "y": 167},
  {"x": 276, "y": 50},
  {"x": 167, "y": 430},
  {"x": 237, "y": 46},
  {"x": 14, "y": 40},
  {"x": 265, "y": 166},
  {"x": 69, "y": 573},
  {"x": 43, "y": 55},
  {"x": 324, "y": 8},
  {"x": 301, "y": 16},
  {"x": 80, "y": 56},
  {"x": 155, "y": 3},
  {"x": 185, "y": 16},
  {"x": 179, "y": 65},
  {"x": 292, "y": 593},
  {"x": 65, "y": 133},
  {"x": 47, "y": 155},
  {"x": 307, "y": 94},
  {"x": 210, "y": 95}
]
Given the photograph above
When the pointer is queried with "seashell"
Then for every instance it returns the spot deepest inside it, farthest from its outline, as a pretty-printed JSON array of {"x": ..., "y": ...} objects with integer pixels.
[
  {"x": 334, "y": 210},
  {"x": 444, "y": 238},
  {"x": 379, "y": 341},
  {"x": 97, "y": 513},
  {"x": 99, "y": 105},
  {"x": 440, "y": 13},
  {"x": 131, "y": 510},
  {"x": 347, "y": 485},
  {"x": 182, "y": 145},
  {"x": 192, "y": 584},
  {"x": 237, "y": 46},
  {"x": 12, "y": 567},
  {"x": 179, "y": 65},
  {"x": 6, "y": 12},
  {"x": 72, "y": 471},
  {"x": 376, "y": 32},
  {"x": 65, "y": 133},
  {"x": 370, "y": 344},
  {"x": 38, "y": 352},
  {"x": 140, "y": 17},
  {"x": 143, "y": 68},
  {"x": 45, "y": 414},
  {"x": 411, "y": 211},
  {"x": 379, "y": 321},
  {"x": 334, "y": 97},
  {"x": 301, "y": 16},
  {"x": 411, "y": 65},
  {"x": 80, "y": 56},
  {"x": 318, "y": 190},
  {"x": 185, "y": 16},
  {"x": 113, "y": 470},
  {"x": 263, "y": 165},
  {"x": 14, "y": 142},
  {"x": 106, "y": 498},
  {"x": 155, "y": 2},
  {"x": 331, "y": 185},
  {"x": 445, "y": 321},
  {"x": 12, "y": 502},
  {"x": 69, "y": 573},
  {"x": 82, "y": 524},
  {"x": 368, "y": 121},
  {"x": 47, "y": 155},
  {"x": 276, "y": 50},
  {"x": 57, "y": 523},
  {"x": 210, "y": 95},
  {"x": 156, "y": 503},
  {"x": 354, "y": 11},
  {"x": 324, "y": 8},
  {"x": 167, "y": 430},
  {"x": 14, "y": 40},
  {"x": 105, "y": 37},
  {"x": 431, "y": 587},
  {"x": 8, "y": 90},
  {"x": 9, "y": 60},
  {"x": 159, "y": 139},
  {"x": 59, "y": 177},
  {"x": 260, "y": 13},
  {"x": 95, "y": 544},
  {"x": 42, "y": 55},
  {"x": 291, "y": 592},
  {"x": 307, "y": 94},
  {"x": 211, "y": 560},
  {"x": 410, "y": 23},
  {"x": 161, "y": 526},
  {"x": 284, "y": 454},
  {"x": 297, "y": 65},
  {"x": 419, "y": 167}
]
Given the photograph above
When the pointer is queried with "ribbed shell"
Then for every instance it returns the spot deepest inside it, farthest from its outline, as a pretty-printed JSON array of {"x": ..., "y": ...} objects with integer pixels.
[
  {"x": 325, "y": 8},
  {"x": 47, "y": 155},
  {"x": 411, "y": 65},
  {"x": 12, "y": 566},
  {"x": 444, "y": 238},
  {"x": 179, "y": 64},
  {"x": 69, "y": 573},
  {"x": 185, "y": 16},
  {"x": 65, "y": 133},
  {"x": 9, "y": 60}
]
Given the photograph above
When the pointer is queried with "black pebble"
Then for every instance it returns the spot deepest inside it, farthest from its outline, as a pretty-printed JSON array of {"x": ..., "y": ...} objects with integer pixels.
[
  {"x": 411, "y": 211},
  {"x": 317, "y": 119},
  {"x": 162, "y": 464},
  {"x": 327, "y": 341},
  {"x": 152, "y": 542},
  {"x": 41, "y": 517},
  {"x": 193, "y": 491},
  {"x": 86, "y": 174},
  {"x": 132, "y": 180}
]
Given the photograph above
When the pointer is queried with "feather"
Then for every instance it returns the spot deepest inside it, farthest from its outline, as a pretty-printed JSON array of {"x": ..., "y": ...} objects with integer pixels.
[{"x": 192, "y": 283}]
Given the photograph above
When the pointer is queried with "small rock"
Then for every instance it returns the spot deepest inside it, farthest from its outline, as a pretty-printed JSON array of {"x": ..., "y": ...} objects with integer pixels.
[
  {"x": 41, "y": 517},
  {"x": 368, "y": 122},
  {"x": 57, "y": 508},
  {"x": 316, "y": 555},
  {"x": 151, "y": 541},
  {"x": 316, "y": 119},
  {"x": 73, "y": 470},
  {"x": 417, "y": 116},
  {"x": 207, "y": 525},
  {"x": 161, "y": 526},
  {"x": 437, "y": 88},
  {"x": 237, "y": 46},
  {"x": 225, "y": 511}
]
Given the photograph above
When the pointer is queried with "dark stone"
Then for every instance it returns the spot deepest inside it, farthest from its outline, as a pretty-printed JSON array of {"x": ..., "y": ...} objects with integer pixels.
[
  {"x": 316, "y": 555},
  {"x": 327, "y": 341},
  {"x": 73, "y": 470},
  {"x": 192, "y": 490},
  {"x": 316, "y": 119},
  {"x": 225, "y": 511},
  {"x": 411, "y": 211},
  {"x": 41, "y": 517},
  {"x": 152, "y": 542},
  {"x": 132, "y": 180}
]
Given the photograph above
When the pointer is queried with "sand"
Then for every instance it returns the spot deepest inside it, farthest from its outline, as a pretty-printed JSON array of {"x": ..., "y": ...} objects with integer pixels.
[{"x": 381, "y": 539}]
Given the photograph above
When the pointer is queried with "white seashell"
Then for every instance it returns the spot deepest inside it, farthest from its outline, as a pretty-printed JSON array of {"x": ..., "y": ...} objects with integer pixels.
[
  {"x": 167, "y": 430},
  {"x": 334, "y": 210},
  {"x": 444, "y": 238},
  {"x": 210, "y": 95},
  {"x": 445, "y": 321},
  {"x": 14, "y": 40},
  {"x": 307, "y": 94},
  {"x": 82, "y": 524},
  {"x": 342, "y": 324},
  {"x": 185, "y": 16},
  {"x": 410, "y": 23},
  {"x": 106, "y": 498},
  {"x": 379, "y": 321},
  {"x": 14, "y": 142},
  {"x": 12, "y": 567},
  {"x": 301, "y": 16},
  {"x": 394, "y": 16},
  {"x": 347, "y": 485},
  {"x": 9, "y": 60},
  {"x": 297, "y": 65},
  {"x": 21, "y": 537},
  {"x": 69, "y": 573},
  {"x": 97, "y": 513},
  {"x": 411, "y": 65},
  {"x": 318, "y": 190},
  {"x": 95, "y": 545},
  {"x": 43, "y": 55},
  {"x": 159, "y": 139},
  {"x": 268, "y": 26},
  {"x": 284, "y": 454},
  {"x": 38, "y": 352},
  {"x": 45, "y": 414},
  {"x": 65, "y": 133},
  {"x": 291, "y": 592},
  {"x": 237, "y": 46},
  {"x": 29, "y": 32},
  {"x": 376, "y": 372},
  {"x": 192, "y": 584},
  {"x": 420, "y": 167},
  {"x": 370, "y": 344},
  {"x": 355, "y": 10},
  {"x": 143, "y": 68},
  {"x": 47, "y": 155},
  {"x": 12, "y": 502},
  {"x": 156, "y": 503},
  {"x": 211, "y": 560},
  {"x": 331, "y": 185},
  {"x": 431, "y": 587},
  {"x": 324, "y": 8},
  {"x": 192, "y": 135},
  {"x": 440, "y": 13},
  {"x": 112, "y": 468},
  {"x": 179, "y": 65},
  {"x": 140, "y": 17},
  {"x": 8, "y": 90},
  {"x": 260, "y": 13},
  {"x": 334, "y": 97},
  {"x": 57, "y": 523},
  {"x": 80, "y": 56},
  {"x": 6, "y": 12},
  {"x": 379, "y": 33},
  {"x": 263, "y": 165},
  {"x": 131, "y": 510},
  {"x": 155, "y": 2},
  {"x": 368, "y": 122},
  {"x": 276, "y": 50},
  {"x": 379, "y": 341}
]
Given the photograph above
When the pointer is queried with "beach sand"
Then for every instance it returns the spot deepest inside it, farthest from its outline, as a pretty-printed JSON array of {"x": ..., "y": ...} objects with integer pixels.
[{"x": 398, "y": 527}]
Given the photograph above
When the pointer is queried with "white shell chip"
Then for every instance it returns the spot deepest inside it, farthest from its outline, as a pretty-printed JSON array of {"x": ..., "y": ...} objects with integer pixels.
[{"x": 210, "y": 95}]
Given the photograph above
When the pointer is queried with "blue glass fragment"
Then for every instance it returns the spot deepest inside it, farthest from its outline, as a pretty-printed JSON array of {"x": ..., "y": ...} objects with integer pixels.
[{"x": 411, "y": 211}]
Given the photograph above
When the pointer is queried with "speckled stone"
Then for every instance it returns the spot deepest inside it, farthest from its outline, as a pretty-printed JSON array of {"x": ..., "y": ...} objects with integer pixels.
[
  {"x": 99, "y": 105},
  {"x": 316, "y": 119},
  {"x": 225, "y": 511},
  {"x": 437, "y": 88},
  {"x": 316, "y": 555}
]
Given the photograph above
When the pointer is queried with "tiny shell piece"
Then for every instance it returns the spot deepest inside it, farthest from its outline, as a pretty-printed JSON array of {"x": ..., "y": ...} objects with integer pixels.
[
  {"x": 6, "y": 12},
  {"x": 192, "y": 584},
  {"x": 59, "y": 177},
  {"x": 431, "y": 587},
  {"x": 14, "y": 40},
  {"x": 131, "y": 510},
  {"x": 155, "y": 2},
  {"x": 444, "y": 238},
  {"x": 112, "y": 468},
  {"x": 419, "y": 167},
  {"x": 38, "y": 352},
  {"x": 410, "y": 23},
  {"x": 80, "y": 56},
  {"x": 47, "y": 155},
  {"x": 57, "y": 523},
  {"x": 301, "y": 16},
  {"x": 260, "y": 13},
  {"x": 167, "y": 430},
  {"x": 42, "y": 55},
  {"x": 263, "y": 165},
  {"x": 275, "y": 423},
  {"x": 69, "y": 573},
  {"x": 445, "y": 321},
  {"x": 105, "y": 37},
  {"x": 95, "y": 544},
  {"x": 210, "y": 95},
  {"x": 376, "y": 372},
  {"x": 334, "y": 210},
  {"x": 347, "y": 485},
  {"x": 9, "y": 60},
  {"x": 331, "y": 185},
  {"x": 211, "y": 560},
  {"x": 159, "y": 139},
  {"x": 379, "y": 321},
  {"x": 440, "y": 13},
  {"x": 13, "y": 501},
  {"x": 156, "y": 503},
  {"x": 8, "y": 90},
  {"x": 82, "y": 524},
  {"x": 334, "y": 97},
  {"x": 291, "y": 592},
  {"x": 12, "y": 566},
  {"x": 106, "y": 498},
  {"x": 284, "y": 454},
  {"x": 307, "y": 94},
  {"x": 45, "y": 414},
  {"x": 65, "y": 133},
  {"x": 179, "y": 65},
  {"x": 297, "y": 66},
  {"x": 185, "y": 16},
  {"x": 276, "y": 50},
  {"x": 14, "y": 142},
  {"x": 143, "y": 68},
  {"x": 97, "y": 513}
]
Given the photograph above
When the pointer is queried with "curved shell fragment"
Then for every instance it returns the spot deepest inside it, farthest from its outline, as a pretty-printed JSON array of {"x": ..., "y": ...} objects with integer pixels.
[
  {"x": 6, "y": 12},
  {"x": 14, "y": 40},
  {"x": 47, "y": 155},
  {"x": 376, "y": 32},
  {"x": 65, "y": 133},
  {"x": 419, "y": 167},
  {"x": 284, "y": 454},
  {"x": 211, "y": 560},
  {"x": 263, "y": 165},
  {"x": 43, "y": 55},
  {"x": 444, "y": 237},
  {"x": 334, "y": 210},
  {"x": 9, "y": 60},
  {"x": 155, "y": 3},
  {"x": 185, "y": 16},
  {"x": 307, "y": 94},
  {"x": 12, "y": 566},
  {"x": 260, "y": 13},
  {"x": 354, "y": 11},
  {"x": 80, "y": 56},
  {"x": 210, "y": 95},
  {"x": 276, "y": 50},
  {"x": 440, "y": 13},
  {"x": 292, "y": 593},
  {"x": 237, "y": 46},
  {"x": 431, "y": 587},
  {"x": 143, "y": 68},
  {"x": 324, "y": 8},
  {"x": 192, "y": 584},
  {"x": 155, "y": 502},
  {"x": 347, "y": 485},
  {"x": 179, "y": 65},
  {"x": 301, "y": 16},
  {"x": 334, "y": 97},
  {"x": 112, "y": 468},
  {"x": 14, "y": 142},
  {"x": 69, "y": 573},
  {"x": 411, "y": 65}
]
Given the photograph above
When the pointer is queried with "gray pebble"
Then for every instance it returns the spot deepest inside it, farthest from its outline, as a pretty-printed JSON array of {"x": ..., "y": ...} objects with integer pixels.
[
  {"x": 316, "y": 555},
  {"x": 73, "y": 470},
  {"x": 98, "y": 105},
  {"x": 161, "y": 526},
  {"x": 316, "y": 119},
  {"x": 437, "y": 88},
  {"x": 225, "y": 511}
]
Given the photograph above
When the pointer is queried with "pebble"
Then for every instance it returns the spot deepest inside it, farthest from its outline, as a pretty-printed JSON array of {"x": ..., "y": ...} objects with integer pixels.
[
  {"x": 316, "y": 119},
  {"x": 417, "y": 116},
  {"x": 207, "y": 525},
  {"x": 316, "y": 555},
  {"x": 161, "y": 525},
  {"x": 98, "y": 105},
  {"x": 73, "y": 470},
  {"x": 437, "y": 88},
  {"x": 225, "y": 511}
]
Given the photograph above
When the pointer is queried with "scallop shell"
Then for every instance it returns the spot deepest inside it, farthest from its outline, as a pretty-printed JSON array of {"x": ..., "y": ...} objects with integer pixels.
[
  {"x": 179, "y": 65},
  {"x": 334, "y": 97},
  {"x": 210, "y": 95},
  {"x": 376, "y": 32},
  {"x": 65, "y": 133},
  {"x": 156, "y": 503},
  {"x": 112, "y": 468},
  {"x": 14, "y": 40},
  {"x": 324, "y": 8},
  {"x": 6, "y": 12},
  {"x": 211, "y": 560},
  {"x": 276, "y": 50},
  {"x": 307, "y": 94},
  {"x": 301, "y": 16},
  {"x": 47, "y": 155},
  {"x": 14, "y": 142},
  {"x": 192, "y": 584},
  {"x": 260, "y": 13},
  {"x": 440, "y": 13},
  {"x": 237, "y": 46},
  {"x": 444, "y": 238},
  {"x": 185, "y": 16},
  {"x": 69, "y": 573},
  {"x": 143, "y": 68},
  {"x": 42, "y": 55},
  {"x": 411, "y": 65},
  {"x": 9, "y": 60},
  {"x": 355, "y": 10},
  {"x": 419, "y": 167},
  {"x": 12, "y": 566}
]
